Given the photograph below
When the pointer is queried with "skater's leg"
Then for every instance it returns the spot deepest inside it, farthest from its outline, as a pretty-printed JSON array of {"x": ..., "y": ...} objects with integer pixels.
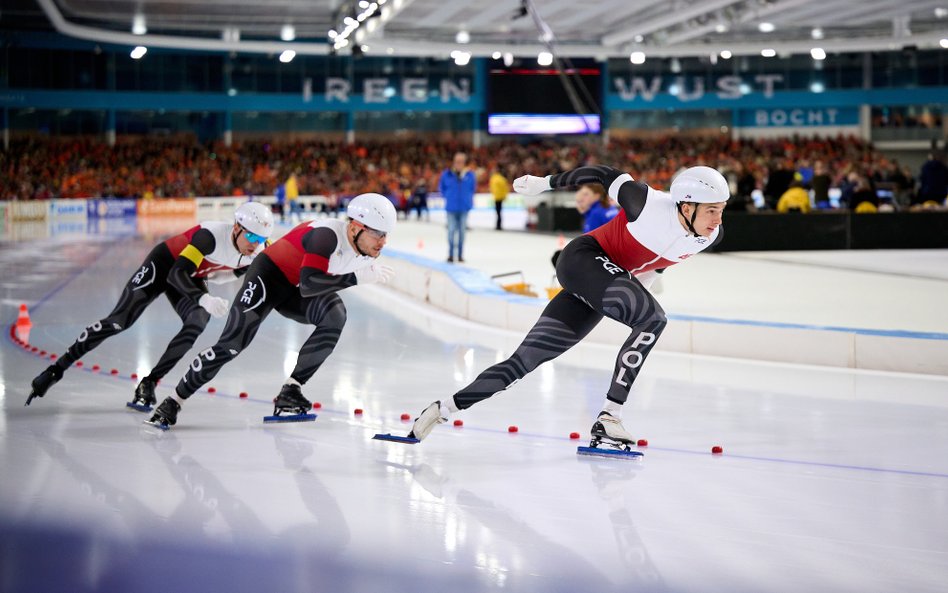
[
  {"x": 140, "y": 292},
  {"x": 564, "y": 322},
  {"x": 242, "y": 324},
  {"x": 194, "y": 319},
  {"x": 143, "y": 287},
  {"x": 628, "y": 302},
  {"x": 328, "y": 314},
  {"x": 585, "y": 270}
]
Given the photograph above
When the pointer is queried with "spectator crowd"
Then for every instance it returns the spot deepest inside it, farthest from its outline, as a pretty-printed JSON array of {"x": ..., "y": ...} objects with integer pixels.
[{"x": 38, "y": 168}]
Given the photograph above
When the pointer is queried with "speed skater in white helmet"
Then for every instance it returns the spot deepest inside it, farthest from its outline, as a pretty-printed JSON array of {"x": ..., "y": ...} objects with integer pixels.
[{"x": 606, "y": 273}]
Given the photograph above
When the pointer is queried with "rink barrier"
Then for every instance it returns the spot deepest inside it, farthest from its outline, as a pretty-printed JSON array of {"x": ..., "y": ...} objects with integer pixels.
[{"x": 472, "y": 295}]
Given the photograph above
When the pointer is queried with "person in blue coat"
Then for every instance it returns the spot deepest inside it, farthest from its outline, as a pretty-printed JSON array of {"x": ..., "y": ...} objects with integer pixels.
[
  {"x": 457, "y": 185},
  {"x": 595, "y": 206}
]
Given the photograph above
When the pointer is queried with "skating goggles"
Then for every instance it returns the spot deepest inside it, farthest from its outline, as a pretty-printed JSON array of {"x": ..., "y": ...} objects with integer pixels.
[
  {"x": 379, "y": 235},
  {"x": 253, "y": 237}
]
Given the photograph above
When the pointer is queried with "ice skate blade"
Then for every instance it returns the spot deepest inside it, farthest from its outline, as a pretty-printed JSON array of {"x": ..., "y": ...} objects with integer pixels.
[
  {"x": 396, "y": 439},
  {"x": 157, "y": 424},
  {"x": 138, "y": 407},
  {"x": 612, "y": 453},
  {"x": 289, "y": 418}
]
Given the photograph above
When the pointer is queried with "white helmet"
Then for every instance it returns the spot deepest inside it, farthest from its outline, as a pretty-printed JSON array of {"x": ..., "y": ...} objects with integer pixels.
[
  {"x": 255, "y": 217},
  {"x": 701, "y": 185},
  {"x": 374, "y": 211}
]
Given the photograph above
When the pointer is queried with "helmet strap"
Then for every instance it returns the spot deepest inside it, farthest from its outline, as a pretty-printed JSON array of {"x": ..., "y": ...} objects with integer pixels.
[
  {"x": 690, "y": 223},
  {"x": 355, "y": 242}
]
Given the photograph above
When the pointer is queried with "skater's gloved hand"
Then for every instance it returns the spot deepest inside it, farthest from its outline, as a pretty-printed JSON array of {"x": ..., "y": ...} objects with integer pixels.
[
  {"x": 374, "y": 273},
  {"x": 530, "y": 185},
  {"x": 216, "y": 306},
  {"x": 221, "y": 277}
]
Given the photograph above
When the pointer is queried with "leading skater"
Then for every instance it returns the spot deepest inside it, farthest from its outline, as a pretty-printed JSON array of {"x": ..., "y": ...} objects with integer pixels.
[
  {"x": 299, "y": 276},
  {"x": 607, "y": 272},
  {"x": 179, "y": 268}
]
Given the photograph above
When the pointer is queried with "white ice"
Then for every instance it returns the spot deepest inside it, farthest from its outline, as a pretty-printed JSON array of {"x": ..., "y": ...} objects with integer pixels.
[{"x": 832, "y": 480}]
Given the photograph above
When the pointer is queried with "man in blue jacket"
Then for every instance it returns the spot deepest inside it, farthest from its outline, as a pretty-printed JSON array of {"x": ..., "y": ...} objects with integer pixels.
[{"x": 457, "y": 187}]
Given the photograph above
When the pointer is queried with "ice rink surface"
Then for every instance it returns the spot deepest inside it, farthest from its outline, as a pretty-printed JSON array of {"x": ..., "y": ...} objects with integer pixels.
[{"x": 831, "y": 480}]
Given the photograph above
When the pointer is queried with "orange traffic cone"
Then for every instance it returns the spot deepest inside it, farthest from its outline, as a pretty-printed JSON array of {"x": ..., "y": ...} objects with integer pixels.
[{"x": 23, "y": 324}]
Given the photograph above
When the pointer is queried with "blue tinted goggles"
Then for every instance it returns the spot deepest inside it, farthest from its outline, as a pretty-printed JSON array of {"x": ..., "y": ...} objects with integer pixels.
[{"x": 253, "y": 237}]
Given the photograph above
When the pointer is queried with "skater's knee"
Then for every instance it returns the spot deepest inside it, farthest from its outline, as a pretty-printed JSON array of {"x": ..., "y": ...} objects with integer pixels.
[
  {"x": 330, "y": 317},
  {"x": 633, "y": 307},
  {"x": 198, "y": 318},
  {"x": 659, "y": 320},
  {"x": 335, "y": 317}
]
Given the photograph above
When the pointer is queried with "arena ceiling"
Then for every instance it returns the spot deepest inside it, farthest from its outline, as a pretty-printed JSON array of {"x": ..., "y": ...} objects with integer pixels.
[{"x": 576, "y": 28}]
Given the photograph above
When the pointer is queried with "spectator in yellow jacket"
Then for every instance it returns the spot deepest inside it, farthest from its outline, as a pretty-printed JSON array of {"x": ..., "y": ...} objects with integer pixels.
[
  {"x": 795, "y": 199},
  {"x": 499, "y": 188}
]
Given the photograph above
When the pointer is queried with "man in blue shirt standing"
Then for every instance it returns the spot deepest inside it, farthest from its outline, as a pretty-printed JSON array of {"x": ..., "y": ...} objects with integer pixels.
[{"x": 457, "y": 186}]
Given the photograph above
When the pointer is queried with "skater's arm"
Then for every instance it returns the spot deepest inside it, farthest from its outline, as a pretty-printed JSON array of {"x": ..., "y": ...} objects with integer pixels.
[
  {"x": 630, "y": 194},
  {"x": 315, "y": 279},
  {"x": 188, "y": 261}
]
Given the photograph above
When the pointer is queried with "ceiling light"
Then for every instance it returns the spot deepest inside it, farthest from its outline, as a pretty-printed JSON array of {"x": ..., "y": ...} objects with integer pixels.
[
  {"x": 287, "y": 56},
  {"x": 544, "y": 58},
  {"x": 496, "y": 55},
  {"x": 817, "y": 87},
  {"x": 637, "y": 57},
  {"x": 675, "y": 65},
  {"x": 462, "y": 58},
  {"x": 726, "y": 54},
  {"x": 508, "y": 59},
  {"x": 816, "y": 33},
  {"x": 138, "y": 24},
  {"x": 768, "y": 53},
  {"x": 943, "y": 43},
  {"x": 287, "y": 33},
  {"x": 138, "y": 52},
  {"x": 766, "y": 27},
  {"x": 941, "y": 12},
  {"x": 818, "y": 53},
  {"x": 639, "y": 39},
  {"x": 363, "y": 4},
  {"x": 462, "y": 37},
  {"x": 720, "y": 28}
]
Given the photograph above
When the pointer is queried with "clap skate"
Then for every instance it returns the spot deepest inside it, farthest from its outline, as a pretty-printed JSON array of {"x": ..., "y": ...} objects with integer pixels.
[
  {"x": 290, "y": 406},
  {"x": 44, "y": 381},
  {"x": 166, "y": 414},
  {"x": 144, "y": 397},
  {"x": 609, "y": 439},
  {"x": 423, "y": 425}
]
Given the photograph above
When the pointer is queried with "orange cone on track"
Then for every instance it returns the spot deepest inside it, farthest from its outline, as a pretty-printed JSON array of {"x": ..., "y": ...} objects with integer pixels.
[{"x": 23, "y": 324}]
